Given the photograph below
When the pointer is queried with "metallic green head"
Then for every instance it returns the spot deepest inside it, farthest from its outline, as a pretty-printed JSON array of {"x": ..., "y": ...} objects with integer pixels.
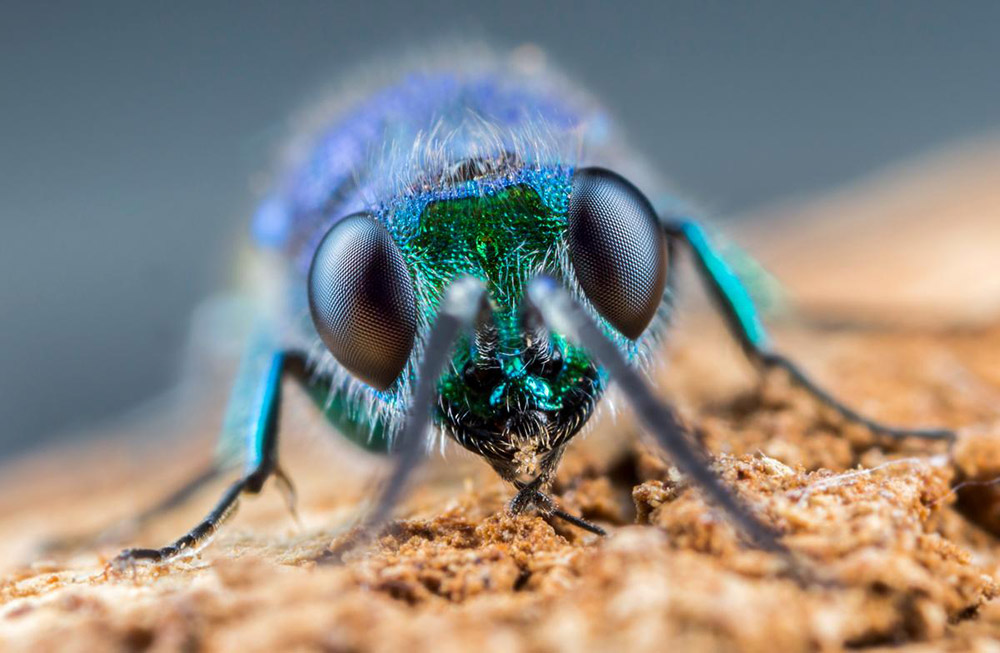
[{"x": 515, "y": 392}]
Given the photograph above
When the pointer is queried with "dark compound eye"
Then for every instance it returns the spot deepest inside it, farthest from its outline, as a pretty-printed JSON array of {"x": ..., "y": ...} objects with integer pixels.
[
  {"x": 362, "y": 301},
  {"x": 617, "y": 248}
]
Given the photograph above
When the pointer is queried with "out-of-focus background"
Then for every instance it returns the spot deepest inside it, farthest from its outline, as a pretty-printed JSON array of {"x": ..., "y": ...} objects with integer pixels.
[{"x": 131, "y": 135}]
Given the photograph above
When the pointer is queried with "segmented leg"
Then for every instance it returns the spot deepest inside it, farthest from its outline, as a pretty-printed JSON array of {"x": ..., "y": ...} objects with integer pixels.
[
  {"x": 198, "y": 536},
  {"x": 463, "y": 307},
  {"x": 564, "y": 315},
  {"x": 744, "y": 322},
  {"x": 263, "y": 464}
]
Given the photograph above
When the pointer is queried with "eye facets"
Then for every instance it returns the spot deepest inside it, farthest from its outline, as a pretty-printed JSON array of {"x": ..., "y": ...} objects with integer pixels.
[
  {"x": 362, "y": 301},
  {"x": 617, "y": 248}
]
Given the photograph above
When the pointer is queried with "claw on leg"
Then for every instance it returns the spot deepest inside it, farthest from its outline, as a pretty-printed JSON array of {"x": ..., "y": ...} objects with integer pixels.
[
  {"x": 288, "y": 492},
  {"x": 530, "y": 496}
]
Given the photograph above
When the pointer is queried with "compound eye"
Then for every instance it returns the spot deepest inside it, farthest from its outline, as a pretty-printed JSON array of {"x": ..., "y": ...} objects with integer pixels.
[
  {"x": 362, "y": 301},
  {"x": 617, "y": 249}
]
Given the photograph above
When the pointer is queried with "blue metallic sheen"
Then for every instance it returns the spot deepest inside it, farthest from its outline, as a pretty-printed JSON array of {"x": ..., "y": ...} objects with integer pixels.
[{"x": 734, "y": 293}]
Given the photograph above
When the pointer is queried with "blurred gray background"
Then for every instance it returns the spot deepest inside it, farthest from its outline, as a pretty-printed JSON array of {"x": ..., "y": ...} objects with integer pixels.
[{"x": 129, "y": 133}]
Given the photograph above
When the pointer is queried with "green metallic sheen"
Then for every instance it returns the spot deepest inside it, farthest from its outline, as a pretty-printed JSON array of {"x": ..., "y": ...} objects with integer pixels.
[
  {"x": 503, "y": 238},
  {"x": 358, "y": 429}
]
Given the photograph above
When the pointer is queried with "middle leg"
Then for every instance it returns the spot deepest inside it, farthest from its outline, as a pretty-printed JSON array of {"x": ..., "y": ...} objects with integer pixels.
[
  {"x": 263, "y": 465},
  {"x": 744, "y": 322}
]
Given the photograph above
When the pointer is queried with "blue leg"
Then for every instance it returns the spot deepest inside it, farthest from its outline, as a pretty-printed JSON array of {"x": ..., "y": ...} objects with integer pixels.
[
  {"x": 259, "y": 414},
  {"x": 744, "y": 321}
]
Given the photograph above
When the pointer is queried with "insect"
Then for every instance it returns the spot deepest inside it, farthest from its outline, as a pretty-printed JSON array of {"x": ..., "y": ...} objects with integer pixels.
[{"x": 466, "y": 250}]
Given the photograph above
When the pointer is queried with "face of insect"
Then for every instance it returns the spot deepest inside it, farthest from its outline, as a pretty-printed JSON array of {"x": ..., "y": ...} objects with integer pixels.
[{"x": 515, "y": 392}]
